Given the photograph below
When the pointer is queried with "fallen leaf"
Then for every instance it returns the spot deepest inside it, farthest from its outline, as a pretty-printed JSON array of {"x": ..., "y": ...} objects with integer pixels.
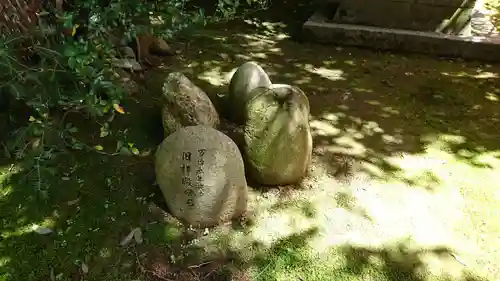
[
  {"x": 119, "y": 108},
  {"x": 65, "y": 178},
  {"x": 458, "y": 259},
  {"x": 135, "y": 151},
  {"x": 85, "y": 268},
  {"x": 145, "y": 153},
  {"x": 73, "y": 202},
  {"x": 41, "y": 230},
  {"x": 127, "y": 239},
  {"x": 138, "y": 235},
  {"x": 98, "y": 147},
  {"x": 124, "y": 151},
  {"x": 73, "y": 31}
]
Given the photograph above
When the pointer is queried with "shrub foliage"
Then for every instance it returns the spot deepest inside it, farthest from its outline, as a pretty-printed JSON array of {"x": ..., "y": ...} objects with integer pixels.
[{"x": 64, "y": 65}]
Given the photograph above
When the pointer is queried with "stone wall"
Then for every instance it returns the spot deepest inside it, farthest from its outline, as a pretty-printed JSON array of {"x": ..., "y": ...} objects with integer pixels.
[
  {"x": 432, "y": 43},
  {"x": 419, "y": 15}
]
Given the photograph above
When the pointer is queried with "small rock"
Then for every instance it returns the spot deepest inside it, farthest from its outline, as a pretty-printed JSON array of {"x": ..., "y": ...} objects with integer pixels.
[
  {"x": 126, "y": 52},
  {"x": 160, "y": 48},
  {"x": 124, "y": 79},
  {"x": 185, "y": 104},
  {"x": 202, "y": 177},
  {"x": 125, "y": 63}
]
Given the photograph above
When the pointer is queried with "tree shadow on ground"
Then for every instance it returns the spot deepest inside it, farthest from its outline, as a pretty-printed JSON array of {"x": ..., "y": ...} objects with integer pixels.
[
  {"x": 366, "y": 105},
  {"x": 88, "y": 207},
  {"x": 290, "y": 258},
  {"x": 399, "y": 262}
]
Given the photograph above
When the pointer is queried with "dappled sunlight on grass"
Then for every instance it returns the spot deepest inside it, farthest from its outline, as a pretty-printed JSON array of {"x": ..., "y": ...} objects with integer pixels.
[
  {"x": 492, "y": 97},
  {"x": 82, "y": 216},
  {"x": 415, "y": 139},
  {"x": 331, "y": 74},
  {"x": 214, "y": 76},
  {"x": 373, "y": 213},
  {"x": 479, "y": 75},
  {"x": 361, "y": 214},
  {"x": 421, "y": 142}
]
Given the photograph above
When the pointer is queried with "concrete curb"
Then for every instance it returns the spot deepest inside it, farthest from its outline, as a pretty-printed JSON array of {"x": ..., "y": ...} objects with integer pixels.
[{"x": 318, "y": 29}]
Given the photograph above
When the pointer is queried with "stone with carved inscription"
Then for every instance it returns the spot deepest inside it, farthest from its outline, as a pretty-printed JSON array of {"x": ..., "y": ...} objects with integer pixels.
[
  {"x": 201, "y": 174},
  {"x": 185, "y": 104},
  {"x": 247, "y": 77},
  {"x": 277, "y": 138}
]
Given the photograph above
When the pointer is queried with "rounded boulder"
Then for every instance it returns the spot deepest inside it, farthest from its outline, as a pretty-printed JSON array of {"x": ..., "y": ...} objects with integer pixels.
[
  {"x": 185, "y": 104},
  {"x": 201, "y": 174},
  {"x": 277, "y": 137},
  {"x": 247, "y": 77}
]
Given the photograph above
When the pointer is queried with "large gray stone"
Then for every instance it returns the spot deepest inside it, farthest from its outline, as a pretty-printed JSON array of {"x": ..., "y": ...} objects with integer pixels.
[
  {"x": 185, "y": 104},
  {"x": 277, "y": 137},
  {"x": 201, "y": 174},
  {"x": 246, "y": 78}
]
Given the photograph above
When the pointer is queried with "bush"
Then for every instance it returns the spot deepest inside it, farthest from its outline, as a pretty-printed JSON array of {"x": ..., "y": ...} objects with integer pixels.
[{"x": 54, "y": 72}]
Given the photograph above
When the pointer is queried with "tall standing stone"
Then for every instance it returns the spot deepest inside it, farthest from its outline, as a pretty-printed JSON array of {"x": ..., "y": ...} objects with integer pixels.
[
  {"x": 185, "y": 104},
  {"x": 201, "y": 174},
  {"x": 277, "y": 137},
  {"x": 246, "y": 78}
]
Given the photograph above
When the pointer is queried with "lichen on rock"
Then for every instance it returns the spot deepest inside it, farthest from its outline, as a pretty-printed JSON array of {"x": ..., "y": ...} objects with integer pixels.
[{"x": 277, "y": 138}]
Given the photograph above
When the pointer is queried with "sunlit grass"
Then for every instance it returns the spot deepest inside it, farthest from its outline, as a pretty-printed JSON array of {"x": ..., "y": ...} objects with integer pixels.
[
  {"x": 458, "y": 212},
  {"x": 444, "y": 195}
]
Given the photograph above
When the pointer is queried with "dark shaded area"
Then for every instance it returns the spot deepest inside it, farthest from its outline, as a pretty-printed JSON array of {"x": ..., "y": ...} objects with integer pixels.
[
  {"x": 399, "y": 262},
  {"x": 90, "y": 210}
]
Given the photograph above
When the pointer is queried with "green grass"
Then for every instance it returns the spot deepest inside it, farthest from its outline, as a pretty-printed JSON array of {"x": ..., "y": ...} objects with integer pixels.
[{"x": 423, "y": 199}]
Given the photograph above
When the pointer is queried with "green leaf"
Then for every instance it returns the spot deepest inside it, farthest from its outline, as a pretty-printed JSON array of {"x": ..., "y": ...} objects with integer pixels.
[
  {"x": 70, "y": 51},
  {"x": 104, "y": 133},
  {"x": 119, "y": 145},
  {"x": 72, "y": 62},
  {"x": 77, "y": 146},
  {"x": 19, "y": 90},
  {"x": 87, "y": 71},
  {"x": 124, "y": 151}
]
